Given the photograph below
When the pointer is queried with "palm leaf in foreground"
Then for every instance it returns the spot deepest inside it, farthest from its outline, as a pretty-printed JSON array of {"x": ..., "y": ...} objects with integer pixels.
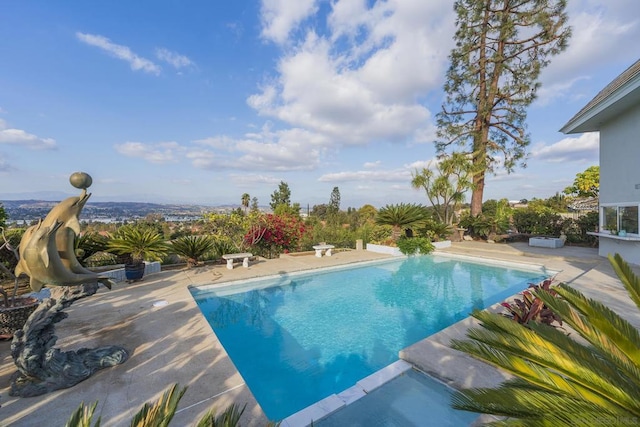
[
  {"x": 558, "y": 380},
  {"x": 160, "y": 413}
]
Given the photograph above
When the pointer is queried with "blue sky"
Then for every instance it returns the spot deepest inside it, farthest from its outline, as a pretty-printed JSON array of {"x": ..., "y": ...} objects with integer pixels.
[{"x": 202, "y": 101}]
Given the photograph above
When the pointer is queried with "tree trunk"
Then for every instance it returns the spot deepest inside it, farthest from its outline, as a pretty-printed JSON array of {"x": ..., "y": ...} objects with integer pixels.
[{"x": 477, "y": 194}]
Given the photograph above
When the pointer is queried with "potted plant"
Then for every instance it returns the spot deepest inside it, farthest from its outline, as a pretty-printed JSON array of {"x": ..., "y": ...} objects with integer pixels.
[
  {"x": 14, "y": 309},
  {"x": 137, "y": 243}
]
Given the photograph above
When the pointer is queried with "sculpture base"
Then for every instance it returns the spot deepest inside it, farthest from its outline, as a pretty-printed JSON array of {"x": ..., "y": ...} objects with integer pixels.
[{"x": 41, "y": 368}]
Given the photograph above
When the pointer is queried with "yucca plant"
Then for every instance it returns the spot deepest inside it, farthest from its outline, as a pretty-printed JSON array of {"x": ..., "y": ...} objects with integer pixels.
[
  {"x": 401, "y": 216},
  {"x": 193, "y": 248},
  {"x": 558, "y": 380}
]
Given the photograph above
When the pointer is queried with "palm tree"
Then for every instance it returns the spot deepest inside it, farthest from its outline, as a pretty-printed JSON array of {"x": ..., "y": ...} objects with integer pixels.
[
  {"x": 558, "y": 380},
  {"x": 246, "y": 198},
  {"x": 193, "y": 248},
  {"x": 138, "y": 242},
  {"x": 401, "y": 216}
]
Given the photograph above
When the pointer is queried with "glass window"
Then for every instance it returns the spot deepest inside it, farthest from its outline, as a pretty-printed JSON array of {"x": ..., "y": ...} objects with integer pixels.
[
  {"x": 629, "y": 218},
  {"x": 610, "y": 218}
]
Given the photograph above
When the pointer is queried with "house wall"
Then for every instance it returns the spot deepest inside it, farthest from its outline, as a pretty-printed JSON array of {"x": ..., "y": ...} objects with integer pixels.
[
  {"x": 619, "y": 175},
  {"x": 620, "y": 158}
]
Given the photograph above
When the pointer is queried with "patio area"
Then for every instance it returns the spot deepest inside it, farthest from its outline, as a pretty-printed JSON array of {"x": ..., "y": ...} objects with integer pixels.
[{"x": 172, "y": 342}]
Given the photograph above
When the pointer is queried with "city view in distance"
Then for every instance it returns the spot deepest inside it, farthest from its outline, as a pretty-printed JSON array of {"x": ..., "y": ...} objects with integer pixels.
[{"x": 27, "y": 211}]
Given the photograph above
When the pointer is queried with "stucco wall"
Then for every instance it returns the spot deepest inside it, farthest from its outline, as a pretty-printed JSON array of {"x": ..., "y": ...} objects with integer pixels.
[
  {"x": 620, "y": 173},
  {"x": 620, "y": 158}
]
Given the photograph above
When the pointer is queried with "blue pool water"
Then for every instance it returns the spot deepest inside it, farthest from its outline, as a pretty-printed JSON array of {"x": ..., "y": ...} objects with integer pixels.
[{"x": 299, "y": 339}]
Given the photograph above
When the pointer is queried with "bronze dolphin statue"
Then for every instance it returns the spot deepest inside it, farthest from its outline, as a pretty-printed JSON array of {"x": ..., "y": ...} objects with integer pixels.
[{"x": 45, "y": 265}]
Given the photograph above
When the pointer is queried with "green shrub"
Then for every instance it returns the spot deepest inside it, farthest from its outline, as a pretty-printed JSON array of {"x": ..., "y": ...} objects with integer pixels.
[
  {"x": 539, "y": 221},
  {"x": 413, "y": 245}
]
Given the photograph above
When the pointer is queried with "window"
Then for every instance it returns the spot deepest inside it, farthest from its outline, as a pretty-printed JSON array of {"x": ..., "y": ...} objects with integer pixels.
[
  {"x": 628, "y": 219},
  {"x": 616, "y": 218},
  {"x": 610, "y": 218}
]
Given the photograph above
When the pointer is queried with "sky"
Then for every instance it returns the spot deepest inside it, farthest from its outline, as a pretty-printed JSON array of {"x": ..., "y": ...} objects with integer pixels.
[{"x": 200, "y": 102}]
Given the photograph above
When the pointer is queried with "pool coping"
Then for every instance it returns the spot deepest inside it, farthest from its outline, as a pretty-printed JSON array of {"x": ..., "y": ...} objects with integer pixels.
[{"x": 334, "y": 402}]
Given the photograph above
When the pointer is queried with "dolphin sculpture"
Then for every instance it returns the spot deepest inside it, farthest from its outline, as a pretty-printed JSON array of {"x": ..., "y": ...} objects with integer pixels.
[
  {"x": 54, "y": 237},
  {"x": 22, "y": 266},
  {"x": 45, "y": 265}
]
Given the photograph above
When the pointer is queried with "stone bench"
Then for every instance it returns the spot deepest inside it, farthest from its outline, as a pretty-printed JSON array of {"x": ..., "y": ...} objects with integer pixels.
[
  {"x": 320, "y": 248},
  {"x": 231, "y": 257}
]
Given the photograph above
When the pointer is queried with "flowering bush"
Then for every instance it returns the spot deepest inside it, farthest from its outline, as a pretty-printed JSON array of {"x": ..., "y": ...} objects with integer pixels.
[{"x": 273, "y": 234}]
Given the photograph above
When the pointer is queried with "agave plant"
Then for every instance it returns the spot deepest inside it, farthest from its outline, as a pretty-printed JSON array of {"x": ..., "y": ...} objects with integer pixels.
[
  {"x": 558, "y": 380},
  {"x": 193, "y": 248},
  {"x": 401, "y": 216}
]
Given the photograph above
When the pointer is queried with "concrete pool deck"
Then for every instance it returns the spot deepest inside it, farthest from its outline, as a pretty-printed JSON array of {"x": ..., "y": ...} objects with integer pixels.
[{"x": 172, "y": 343}]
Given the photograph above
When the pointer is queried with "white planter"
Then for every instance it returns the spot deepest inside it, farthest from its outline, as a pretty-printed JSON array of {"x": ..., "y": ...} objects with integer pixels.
[
  {"x": 443, "y": 244},
  {"x": 381, "y": 249},
  {"x": 392, "y": 250}
]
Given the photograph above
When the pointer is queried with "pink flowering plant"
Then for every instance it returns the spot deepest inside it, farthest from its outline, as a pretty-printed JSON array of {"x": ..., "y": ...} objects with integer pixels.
[{"x": 274, "y": 234}]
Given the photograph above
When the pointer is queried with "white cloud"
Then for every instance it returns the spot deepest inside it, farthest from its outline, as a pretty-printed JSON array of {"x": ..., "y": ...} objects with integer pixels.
[
  {"x": 583, "y": 148},
  {"x": 598, "y": 31},
  {"x": 548, "y": 94},
  {"x": 121, "y": 52},
  {"x": 399, "y": 175},
  {"x": 175, "y": 59},
  {"x": 280, "y": 17},
  {"x": 19, "y": 137},
  {"x": 287, "y": 150},
  {"x": 375, "y": 164},
  {"x": 361, "y": 81},
  {"x": 250, "y": 180},
  {"x": 159, "y": 153}
]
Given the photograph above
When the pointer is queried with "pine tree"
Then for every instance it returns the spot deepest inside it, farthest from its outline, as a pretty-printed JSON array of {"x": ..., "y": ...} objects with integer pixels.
[
  {"x": 501, "y": 47},
  {"x": 281, "y": 196}
]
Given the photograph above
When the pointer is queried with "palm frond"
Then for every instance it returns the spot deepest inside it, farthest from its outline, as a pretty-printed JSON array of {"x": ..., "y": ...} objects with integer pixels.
[
  {"x": 560, "y": 380},
  {"x": 535, "y": 407},
  {"x": 615, "y": 337},
  {"x": 546, "y": 364},
  {"x": 628, "y": 278},
  {"x": 83, "y": 416},
  {"x": 160, "y": 413},
  {"x": 230, "y": 417}
]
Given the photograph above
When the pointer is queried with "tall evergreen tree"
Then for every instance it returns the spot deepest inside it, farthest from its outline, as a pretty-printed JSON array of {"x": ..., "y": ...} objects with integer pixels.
[
  {"x": 501, "y": 47},
  {"x": 334, "y": 201},
  {"x": 281, "y": 196},
  {"x": 254, "y": 204}
]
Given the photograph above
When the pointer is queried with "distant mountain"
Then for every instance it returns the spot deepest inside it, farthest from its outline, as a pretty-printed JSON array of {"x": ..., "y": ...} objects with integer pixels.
[{"x": 54, "y": 196}]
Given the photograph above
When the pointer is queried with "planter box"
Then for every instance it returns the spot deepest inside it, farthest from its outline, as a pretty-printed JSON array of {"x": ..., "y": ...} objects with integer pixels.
[
  {"x": 546, "y": 242},
  {"x": 392, "y": 250},
  {"x": 382, "y": 249},
  {"x": 443, "y": 244}
]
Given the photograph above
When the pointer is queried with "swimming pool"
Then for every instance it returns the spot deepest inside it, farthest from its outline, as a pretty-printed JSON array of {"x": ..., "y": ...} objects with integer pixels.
[{"x": 297, "y": 339}]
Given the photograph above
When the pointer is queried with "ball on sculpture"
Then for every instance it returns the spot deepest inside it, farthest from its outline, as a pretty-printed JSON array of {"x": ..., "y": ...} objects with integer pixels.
[{"x": 81, "y": 180}]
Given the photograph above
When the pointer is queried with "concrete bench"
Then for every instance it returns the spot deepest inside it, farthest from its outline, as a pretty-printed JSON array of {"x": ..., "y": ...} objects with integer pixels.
[
  {"x": 231, "y": 257},
  {"x": 320, "y": 248}
]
